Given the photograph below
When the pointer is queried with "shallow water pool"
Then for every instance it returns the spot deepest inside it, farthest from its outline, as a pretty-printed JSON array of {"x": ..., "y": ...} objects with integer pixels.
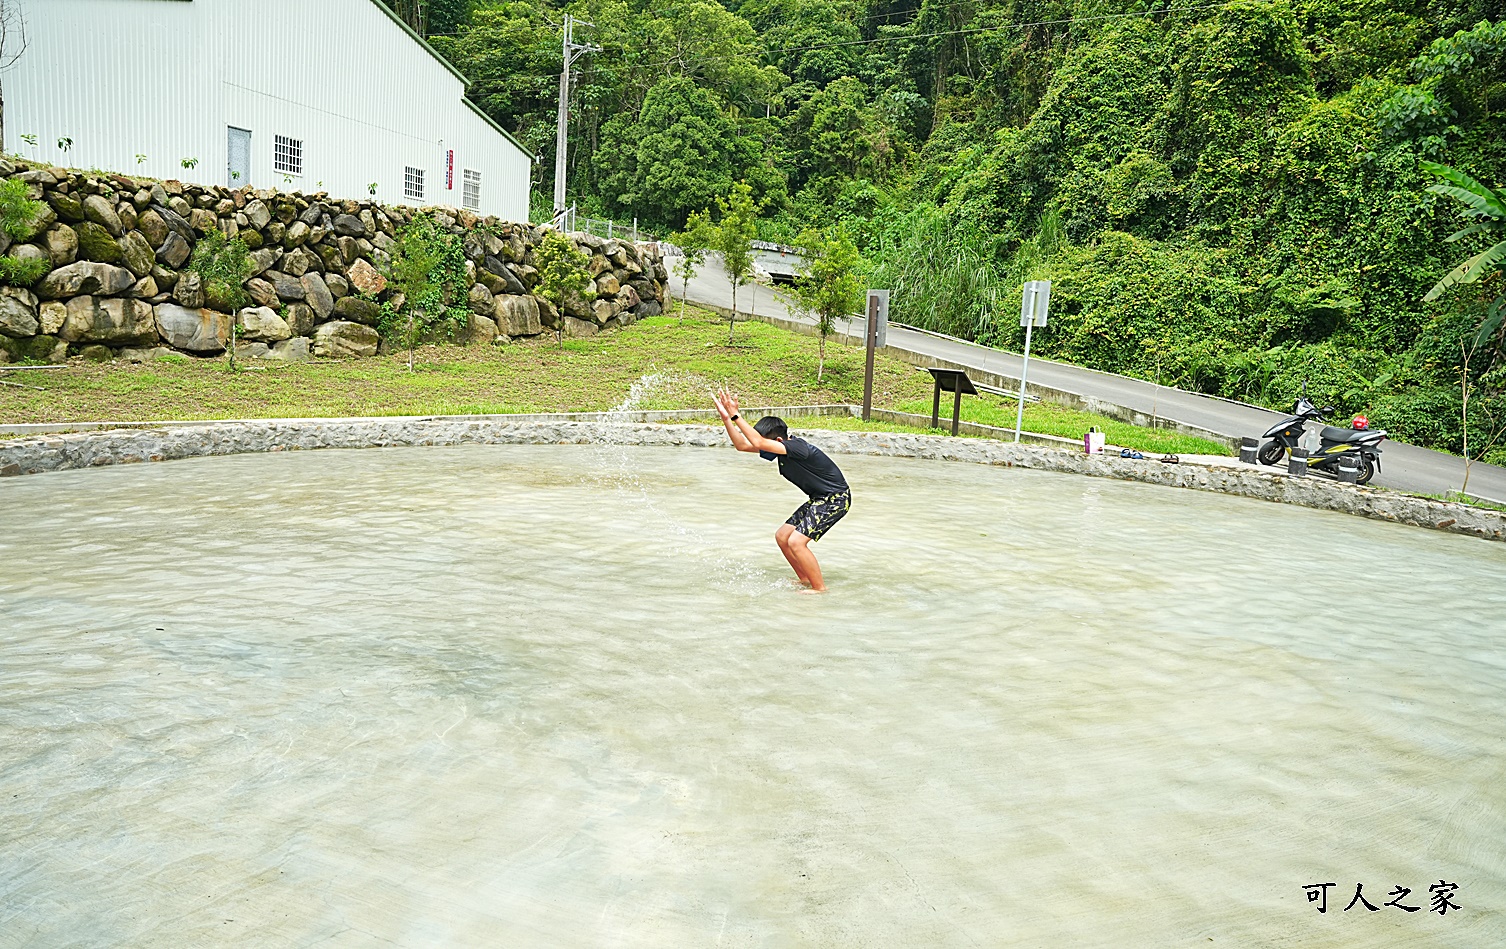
[{"x": 565, "y": 696}]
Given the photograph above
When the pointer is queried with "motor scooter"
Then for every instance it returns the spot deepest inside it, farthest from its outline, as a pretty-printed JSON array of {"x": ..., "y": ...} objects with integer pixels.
[{"x": 1360, "y": 444}]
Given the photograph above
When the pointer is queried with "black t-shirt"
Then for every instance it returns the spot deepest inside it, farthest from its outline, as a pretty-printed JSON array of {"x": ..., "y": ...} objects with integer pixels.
[{"x": 807, "y": 468}]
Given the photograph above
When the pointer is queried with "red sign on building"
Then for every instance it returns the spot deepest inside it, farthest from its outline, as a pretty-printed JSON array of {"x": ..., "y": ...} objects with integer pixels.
[{"x": 449, "y": 169}]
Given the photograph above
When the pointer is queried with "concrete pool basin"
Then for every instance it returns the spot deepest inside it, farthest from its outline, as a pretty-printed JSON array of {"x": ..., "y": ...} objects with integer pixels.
[{"x": 565, "y": 696}]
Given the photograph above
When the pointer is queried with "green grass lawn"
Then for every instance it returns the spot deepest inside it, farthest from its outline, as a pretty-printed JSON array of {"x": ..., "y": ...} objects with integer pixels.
[
  {"x": 1049, "y": 418},
  {"x": 767, "y": 366}
]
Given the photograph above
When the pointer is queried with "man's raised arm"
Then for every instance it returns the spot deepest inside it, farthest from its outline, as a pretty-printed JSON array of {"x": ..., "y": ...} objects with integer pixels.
[{"x": 744, "y": 436}]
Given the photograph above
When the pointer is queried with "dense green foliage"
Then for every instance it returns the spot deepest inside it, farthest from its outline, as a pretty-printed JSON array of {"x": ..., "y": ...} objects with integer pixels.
[
  {"x": 830, "y": 286},
  {"x": 694, "y": 243},
  {"x": 732, "y": 238},
  {"x": 18, "y": 272},
  {"x": 224, "y": 265},
  {"x": 427, "y": 270},
  {"x": 18, "y": 211},
  {"x": 562, "y": 274},
  {"x": 1228, "y": 197}
]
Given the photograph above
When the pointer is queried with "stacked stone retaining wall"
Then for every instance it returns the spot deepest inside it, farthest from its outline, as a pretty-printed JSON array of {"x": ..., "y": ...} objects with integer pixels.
[
  {"x": 117, "y": 283},
  {"x": 94, "y": 449}
]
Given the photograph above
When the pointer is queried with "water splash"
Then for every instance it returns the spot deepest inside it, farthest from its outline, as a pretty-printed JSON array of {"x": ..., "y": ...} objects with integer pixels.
[{"x": 615, "y": 469}]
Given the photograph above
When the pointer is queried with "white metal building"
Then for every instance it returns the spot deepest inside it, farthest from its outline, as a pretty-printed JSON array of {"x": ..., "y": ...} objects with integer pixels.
[{"x": 302, "y": 95}]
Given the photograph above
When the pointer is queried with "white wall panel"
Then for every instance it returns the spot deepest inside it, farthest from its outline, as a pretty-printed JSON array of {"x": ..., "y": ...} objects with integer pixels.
[{"x": 164, "y": 78}]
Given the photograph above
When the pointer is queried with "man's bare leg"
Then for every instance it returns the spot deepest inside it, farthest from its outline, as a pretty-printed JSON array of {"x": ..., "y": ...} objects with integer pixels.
[
  {"x": 797, "y": 549},
  {"x": 783, "y": 537}
]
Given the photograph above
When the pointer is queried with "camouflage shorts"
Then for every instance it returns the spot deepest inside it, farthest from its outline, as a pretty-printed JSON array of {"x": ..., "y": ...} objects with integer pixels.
[{"x": 817, "y": 516}]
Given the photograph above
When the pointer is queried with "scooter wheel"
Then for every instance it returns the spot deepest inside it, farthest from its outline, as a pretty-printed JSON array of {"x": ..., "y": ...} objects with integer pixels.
[
  {"x": 1271, "y": 453},
  {"x": 1367, "y": 470}
]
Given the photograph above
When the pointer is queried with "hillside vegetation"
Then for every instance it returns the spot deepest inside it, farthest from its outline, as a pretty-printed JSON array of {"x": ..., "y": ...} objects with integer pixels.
[{"x": 1227, "y": 196}]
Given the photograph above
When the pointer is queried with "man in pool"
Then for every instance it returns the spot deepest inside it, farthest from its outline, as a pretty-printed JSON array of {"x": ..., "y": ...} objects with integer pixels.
[{"x": 807, "y": 468}]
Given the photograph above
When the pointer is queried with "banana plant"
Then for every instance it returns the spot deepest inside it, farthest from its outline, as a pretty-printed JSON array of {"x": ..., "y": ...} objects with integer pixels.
[{"x": 1489, "y": 207}]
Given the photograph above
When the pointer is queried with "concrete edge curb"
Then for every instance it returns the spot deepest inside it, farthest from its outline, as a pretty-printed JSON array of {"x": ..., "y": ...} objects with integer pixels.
[{"x": 99, "y": 449}]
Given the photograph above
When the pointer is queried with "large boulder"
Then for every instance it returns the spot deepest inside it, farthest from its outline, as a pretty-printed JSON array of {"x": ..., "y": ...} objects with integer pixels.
[
  {"x": 34, "y": 349},
  {"x": 602, "y": 311},
  {"x": 262, "y": 324},
  {"x": 173, "y": 251},
  {"x": 517, "y": 316},
  {"x": 548, "y": 315},
  {"x": 61, "y": 242},
  {"x": 69, "y": 207},
  {"x": 99, "y": 211},
  {"x": 577, "y": 329},
  {"x": 295, "y": 236},
  {"x": 341, "y": 339},
  {"x": 607, "y": 285},
  {"x": 151, "y": 224},
  {"x": 31, "y": 252},
  {"x": 510, "y": 282},
  {"x": 257, "y": 214},
  {"x": 577, "y": 306},
  {"x": 193, "y": 330},
  {"x": 300, "y": 318},
  {"x": 18, "y": 313},
  {"x": 366, "y": 279},
  {"x": 116, "y": 322},
  {"x": 96, "y": 243},
  {"x": 480, "y": 300},
  {"x": 318, "y": 295},
  {"x": 479, "y": 331},
  {"x": 85, "y": 278},
  {"x": 357, "y": 310},
  {"x": 262, "y": 292},
  {"x": 289, "y": 350},
  {"x": 51, "y": 317},
  {"x": 289, "y": 289},
  {"x": 296, "y": 263},
  {"x": 348, "y": 225},
  {"x": 189, "y": 290},
  {"x": 264, "y": 259},
  {"x": 137, "y": 254},
  {"x": 144, "y": 289}
]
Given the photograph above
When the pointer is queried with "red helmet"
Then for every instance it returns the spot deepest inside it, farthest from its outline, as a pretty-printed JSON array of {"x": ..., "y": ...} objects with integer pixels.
[{"x": 1360, "y": 423}]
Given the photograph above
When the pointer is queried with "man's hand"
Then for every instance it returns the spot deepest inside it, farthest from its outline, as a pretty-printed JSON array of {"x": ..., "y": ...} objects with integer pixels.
[
  {"x": 729, "y": 402},
  {"x": 721, "y": 408}
]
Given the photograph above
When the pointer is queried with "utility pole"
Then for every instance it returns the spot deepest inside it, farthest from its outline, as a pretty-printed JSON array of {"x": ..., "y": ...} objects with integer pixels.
[{"x": 572, "y": 52}]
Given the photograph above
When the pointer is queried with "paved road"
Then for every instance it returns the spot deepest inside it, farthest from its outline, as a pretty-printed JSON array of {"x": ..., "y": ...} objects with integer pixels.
[{"x": 1403, "y": 466}]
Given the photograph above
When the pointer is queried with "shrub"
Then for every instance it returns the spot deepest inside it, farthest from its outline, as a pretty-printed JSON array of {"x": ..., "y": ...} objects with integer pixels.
[
  {"x": 223, "y": 265},
  {"x": 562, "y": 271},
  {"x": 428, "y": 269},
  {"x": 22, "y": 273},
  {"x": 18, "y": 212}
]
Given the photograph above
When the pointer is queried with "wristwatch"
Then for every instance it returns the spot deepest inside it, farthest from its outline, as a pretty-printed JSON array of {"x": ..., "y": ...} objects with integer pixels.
[{"x": 736, "y": 417}]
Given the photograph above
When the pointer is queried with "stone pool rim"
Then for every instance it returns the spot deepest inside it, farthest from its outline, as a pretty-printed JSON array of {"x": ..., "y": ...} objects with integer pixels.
[{"x": 164, "y": 442}]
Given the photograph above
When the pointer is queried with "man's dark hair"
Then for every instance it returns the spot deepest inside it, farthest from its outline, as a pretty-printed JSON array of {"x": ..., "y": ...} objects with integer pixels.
[{"x": 772, "y": 426}]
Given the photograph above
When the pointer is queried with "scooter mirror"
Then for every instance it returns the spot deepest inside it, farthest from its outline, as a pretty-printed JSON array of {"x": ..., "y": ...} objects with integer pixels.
[{"x": 1328, "y": 410}]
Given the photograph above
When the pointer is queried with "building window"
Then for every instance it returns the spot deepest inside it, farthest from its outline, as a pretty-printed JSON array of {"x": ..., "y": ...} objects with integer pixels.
[
  {"x": 472, "y": 195},
  {"x": 413, "y": 183},
  {"x": 287, "y": 155}
]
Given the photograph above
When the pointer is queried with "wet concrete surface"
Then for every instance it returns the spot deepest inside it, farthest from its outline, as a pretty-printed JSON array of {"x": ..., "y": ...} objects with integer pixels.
[{"x": 565, "y": 696}]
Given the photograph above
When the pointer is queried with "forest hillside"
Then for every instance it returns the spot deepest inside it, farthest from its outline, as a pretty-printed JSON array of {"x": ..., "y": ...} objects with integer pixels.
[{"x": 1229, "y": 197}]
